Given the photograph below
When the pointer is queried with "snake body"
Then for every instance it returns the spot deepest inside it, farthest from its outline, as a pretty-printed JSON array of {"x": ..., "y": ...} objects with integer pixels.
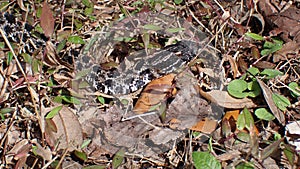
[{"x": 140, "y": 65}]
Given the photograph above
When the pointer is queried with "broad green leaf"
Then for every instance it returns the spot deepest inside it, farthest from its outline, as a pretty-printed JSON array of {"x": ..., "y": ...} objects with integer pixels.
[
  {"x": 245, "y": 120},
  {"x": 177, "y": 2},
  {"x": 271, "y": 47},
  {"x": 243, "y": 136},
  {"x": 237, "y": 87},
  {"x": 280, "y": 101},
  {"x": 53, "y": 112},
  {"x": 76, "y": 40},
  {"x": 254, "y": 36},
  {"x": 152, "y": 27},
  {"x": 118, "y": 158},
  {"x": 80, "y": 155},
  {"x": 204, "y": 160},
  {"x": 174, "y": 30},
  {"x": 253, "y": 71},
  {"x": 101, "y": 99},
  {"x": 289, "y": 153},
  {"x": 272, "y": 44},
  {"x": 85, "y": 143},
  {"x": 61, "y": 45},
  {"x": 254, "y": 88},
  {"x": 264, "y": 114},
  {"x": 295, "y": 89},
  {"x": 271, "y": 73}
]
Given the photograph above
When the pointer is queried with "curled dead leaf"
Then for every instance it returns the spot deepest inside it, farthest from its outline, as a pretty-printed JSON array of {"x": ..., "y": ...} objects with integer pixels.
[
  {"x": 223, "y": 99},
  {"x": 69, "y": 132},
  {"x": 154, "y": 93}
]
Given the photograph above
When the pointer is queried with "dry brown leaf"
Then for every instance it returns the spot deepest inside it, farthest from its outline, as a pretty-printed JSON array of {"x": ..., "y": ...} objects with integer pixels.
[
  {"x": 223, "y": 99},
  {"x": 230, "y": 155},
  {"x": 264, "y": 65},
  {"x": 45, "y": 153},
  {"x": 154, "y": 93},
  {"x": 205, "y": 126},
  {"x": 69, "y": 133},
  {"x": 268, "y": 97},
  {"x": 266, "y": 152},
  {"x": 47, "y": 20}
]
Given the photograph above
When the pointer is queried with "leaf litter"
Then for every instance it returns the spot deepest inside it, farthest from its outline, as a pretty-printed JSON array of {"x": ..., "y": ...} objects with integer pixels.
[{"x": 173, "y": 136}]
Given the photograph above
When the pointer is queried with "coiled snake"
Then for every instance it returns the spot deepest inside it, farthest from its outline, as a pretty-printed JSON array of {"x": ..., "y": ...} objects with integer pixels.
[
  {"x": 169, "y": 43},
  {"x": 179, "y": 43}
]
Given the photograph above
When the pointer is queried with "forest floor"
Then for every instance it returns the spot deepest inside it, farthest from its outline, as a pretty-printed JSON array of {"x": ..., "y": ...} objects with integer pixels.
[{"x": 248, "y": 118}]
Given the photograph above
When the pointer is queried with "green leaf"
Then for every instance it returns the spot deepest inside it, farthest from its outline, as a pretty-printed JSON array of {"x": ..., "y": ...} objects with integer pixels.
[
  {"x": 289, "y": 153},
  {"x": 87, "y": 3},
  {"x": 118, "y": 158},
  {"x": 277, "y": 136},
  {"x": 253, "y": 71},
  {"x": 61, "y": 45},
  {"x": 27, "y": 58},
  {"x": 2, "y": 45},
  {"x": 85, "y": 143},
  {"x": 36, "y": 65},
  {"x": 6, "y": 110},
  {"x": 76, "y": 40},
  {"x": 237, "y": 87},
  {"x": 53, "y": 112},
  {"x": 254, "y": 36},
  {"x": 152, "y": 27},
  {"x": 271, "y": 73},
  {"x": 245, "y": 120},
  {"x": 254, "y": 88},
  {"x": 9, "y": 57},
  {"x": 177, "y": 2},
  {"x": 78, "y": 24},
  {"x": 174, "y": 30},
  {"x": 295, "y": 89},
  {"x": 101, "y": 99},
  {"x": 264, "y": 114},
  {"x": 280, "y": 101},
  {"x": 80, "y": 155},
  {"x": 271, "y": 47},
  {"x": 88, "y": 11},
  {"x": 68, "y": 99},
  {"x": 204, "y": 160},
  {"x": 95, "y": 167},
  {"x": 244, "y": 165},
  {"x": 243, "y": 136}
]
